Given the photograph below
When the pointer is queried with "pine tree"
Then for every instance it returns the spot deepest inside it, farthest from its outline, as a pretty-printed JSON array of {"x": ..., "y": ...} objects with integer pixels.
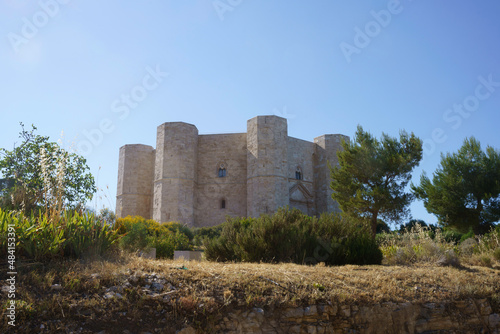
[
  {"x": 465, "y": 189},
  {"x": 371, "y": 177}
]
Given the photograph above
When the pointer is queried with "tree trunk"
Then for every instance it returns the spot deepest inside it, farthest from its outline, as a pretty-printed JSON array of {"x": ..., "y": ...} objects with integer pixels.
[
  {"x": 373, "y": 223},
  {"x": 477, "y": 216}
]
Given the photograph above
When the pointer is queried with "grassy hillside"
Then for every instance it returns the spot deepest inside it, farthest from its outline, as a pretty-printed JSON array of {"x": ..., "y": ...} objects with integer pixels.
[{"x": 162, "y": 296}]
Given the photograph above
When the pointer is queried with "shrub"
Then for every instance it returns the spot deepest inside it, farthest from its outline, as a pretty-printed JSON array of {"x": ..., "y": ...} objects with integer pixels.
[
  {"x": 290, "y": 236},
  {"x": 165, "y": 246},
  {"x": 70, "y": 235},
  {"x": 86, "y": 235},
  {"x": 496, "y": 254},
  {"x": 416, "y": 245},
  {"x": 449, "y": 258},
  {"x": 135, "y": 238},
  {"x": 468, "y": 246},
  {"x": 404, "y": 255},
  {"x": 140, "y": 233},
  {"x": 452, "y": 236},
  {"x": 429, "y": 244},
  {"x": 181, "y": 241},
  {"x": 206, "y": 233},
  {"x": 467, "y": 235},
  {"x": 182, "y": 228}
]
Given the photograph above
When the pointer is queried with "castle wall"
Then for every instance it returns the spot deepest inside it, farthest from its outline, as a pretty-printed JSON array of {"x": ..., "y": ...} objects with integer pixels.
[
  {"x": 267, "y": 169},
  {"x": 135, "y": 180},
  {"x": 300, "y": 154},
  {"x": 180, "y": 181},
  {"x": 214, "y": 150},
  {"x": 325, "y": 152},
  {"x": 175, "y": 173}
]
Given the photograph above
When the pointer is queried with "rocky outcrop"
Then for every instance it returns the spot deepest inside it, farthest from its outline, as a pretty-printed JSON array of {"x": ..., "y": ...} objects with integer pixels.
[{"x": 472, "y": 316}]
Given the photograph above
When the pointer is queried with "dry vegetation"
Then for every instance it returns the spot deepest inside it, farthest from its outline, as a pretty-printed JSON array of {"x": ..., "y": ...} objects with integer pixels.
[
  {"x": 196, "y": 292},
  {"x": 425, "y": 246}
]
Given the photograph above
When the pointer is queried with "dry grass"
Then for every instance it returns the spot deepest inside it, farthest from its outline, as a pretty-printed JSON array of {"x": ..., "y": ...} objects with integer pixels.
[
  {"x": 205, "y": 289},
  {"x": 417, "y": 246}
]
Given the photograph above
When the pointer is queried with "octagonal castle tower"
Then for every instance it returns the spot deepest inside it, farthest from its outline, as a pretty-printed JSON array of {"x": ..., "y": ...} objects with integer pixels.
[{"x": 200, "y": 179}]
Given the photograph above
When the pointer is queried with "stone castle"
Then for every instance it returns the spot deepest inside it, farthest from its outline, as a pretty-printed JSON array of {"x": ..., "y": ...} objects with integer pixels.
[{"x": 200, "y": 179}]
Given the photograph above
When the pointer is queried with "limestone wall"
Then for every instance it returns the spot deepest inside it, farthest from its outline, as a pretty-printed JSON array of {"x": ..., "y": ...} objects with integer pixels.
[
  {"x": 325, "y": 152},
  {"x": 179, "y": 181},
  {"x": 300, "y": 155},
  {"x": 135, "y": 181},
  {"x": 175, "y": 172},
  {"x": 214, "y": 150},
  {"x": 471, "y": 316},
  {"x": 267, "y": 167}
]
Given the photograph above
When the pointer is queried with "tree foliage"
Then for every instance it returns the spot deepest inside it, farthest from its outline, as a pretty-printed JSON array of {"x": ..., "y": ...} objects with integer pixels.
[
  {"x": 465, "y": 189},
  {"x": 37, "y": 171},
  {"x": 370, "y": 179},
  {"x": 411, "y": 225}
]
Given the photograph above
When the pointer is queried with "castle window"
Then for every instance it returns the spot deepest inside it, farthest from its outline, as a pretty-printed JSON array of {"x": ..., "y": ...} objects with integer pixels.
[
  {"x": 223, "y": 204},
  {"x": 222, "y": 170},
  {"x": 298, "y": 174}
]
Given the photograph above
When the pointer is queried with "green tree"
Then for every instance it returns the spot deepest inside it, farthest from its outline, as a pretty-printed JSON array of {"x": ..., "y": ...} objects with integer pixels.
[
  {"x": 465, "y": 188},
  {"x": 38, "y": 172},
  {"x": 382, "y": 227},
  {"x": 107, "y": 216},
  {"x": 412, "y": 224},
  {"x": 370, "y": 179}
]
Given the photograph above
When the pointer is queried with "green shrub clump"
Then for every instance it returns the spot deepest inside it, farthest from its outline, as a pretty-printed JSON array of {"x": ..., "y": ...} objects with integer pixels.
[
  {"x": 139, "y": 234},
  {"x": 291, "y": 236},
  {"x": 43, "y": 238},
  {"x": 202, "y": 233}
]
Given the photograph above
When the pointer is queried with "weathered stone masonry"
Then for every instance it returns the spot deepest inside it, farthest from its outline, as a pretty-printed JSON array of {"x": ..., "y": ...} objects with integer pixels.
[{"x": 200, "y": 179}]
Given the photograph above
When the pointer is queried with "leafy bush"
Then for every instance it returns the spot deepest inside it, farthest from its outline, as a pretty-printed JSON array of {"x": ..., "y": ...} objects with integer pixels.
[
  {"x": 206, "y": 233},
  {"x": 182, "y": 228},
  {"x": 42, "y": 239},
  {"x": 411, "y": 224},
  {"x": 165, "y": 246},
  {"x": 85, "y": 234},
  {"x": 452, "y": 236},
  {"x": 140, "y": 233},
  {"x": 135, "y": 238},
  {"x": 291, "y": 236},
  {"x": 467, "y": 235},
  {"x": 181, "y": 241}
]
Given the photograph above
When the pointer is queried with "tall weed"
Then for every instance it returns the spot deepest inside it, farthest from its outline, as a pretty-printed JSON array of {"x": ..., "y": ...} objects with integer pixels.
[
  {"x": 71, "y": 235},
  {"x": 418, "y": 244}
]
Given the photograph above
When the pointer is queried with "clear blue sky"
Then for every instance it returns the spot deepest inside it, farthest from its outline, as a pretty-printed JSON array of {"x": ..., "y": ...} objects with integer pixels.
[{"x": 424, "y": 66}]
